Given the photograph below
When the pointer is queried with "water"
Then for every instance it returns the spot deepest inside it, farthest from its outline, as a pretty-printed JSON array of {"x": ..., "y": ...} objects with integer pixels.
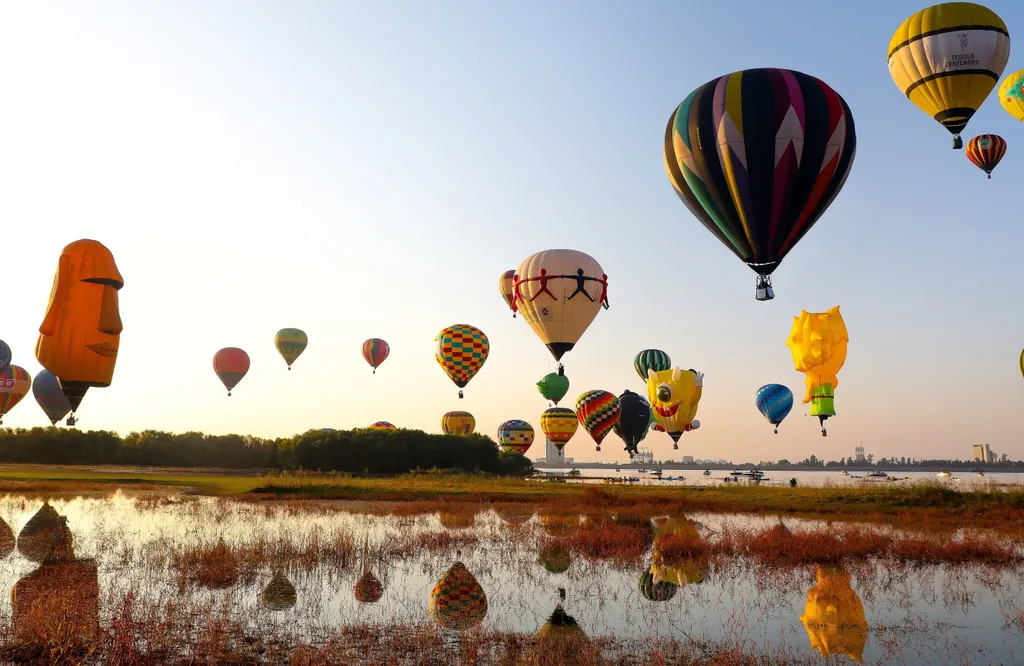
[{"x": 881, "y": 613}]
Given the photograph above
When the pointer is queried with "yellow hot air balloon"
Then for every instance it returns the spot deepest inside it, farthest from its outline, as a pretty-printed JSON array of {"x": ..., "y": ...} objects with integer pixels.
[
  {"x": 947, "y": 58},
  {"x": 559, "y": 425},
  {"x": 458, "y": 423},
  {"x": 457, "y": 600},
  {"x": 818, "y": 343},
  {"x": 674, "y": 396},
  {"x": 1011, "y": 94},
  {"x": 505, "y": 283},
  {"x": 834, "y": 616},
  {"x": 559, "y": 292}
]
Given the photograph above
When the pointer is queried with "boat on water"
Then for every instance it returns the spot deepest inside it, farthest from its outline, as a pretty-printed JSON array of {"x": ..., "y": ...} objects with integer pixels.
[
  {"x": 944, "y": 473},
  {"x": 707, "y": 472},
  {"x": 877, "y": 475},
  {"x": 753, "y": 474},
  {"x": 980, "y": 473}
]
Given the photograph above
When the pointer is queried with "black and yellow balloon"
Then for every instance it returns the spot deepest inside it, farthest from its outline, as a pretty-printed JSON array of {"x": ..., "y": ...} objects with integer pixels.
[{"x": 947, "y": 58}]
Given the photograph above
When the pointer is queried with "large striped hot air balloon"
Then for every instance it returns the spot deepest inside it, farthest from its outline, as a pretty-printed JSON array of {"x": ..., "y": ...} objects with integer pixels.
[
  {"x": 515, "y": 436},
  {"x": 985, "y": 151},
  {"x": 758, "y": 156},
  {"x": 458, "y": 423},
  {"x": 230, "y": 364},
  {"x": 559, "y": 425},
  {"x": 375, "y": 351},
  {"x": 290, "y": 343},
  {"x": 598, "y": 411},
  {"x": 947, "y": 58},
  {"x": 461, "y": 351},
  {"x": 15, "y": 382}
]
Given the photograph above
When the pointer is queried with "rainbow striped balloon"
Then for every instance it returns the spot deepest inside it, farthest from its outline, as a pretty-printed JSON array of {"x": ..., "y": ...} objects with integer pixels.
[
  {"x": 598, "y": 411},
  {"x": 375, "y": 351}
]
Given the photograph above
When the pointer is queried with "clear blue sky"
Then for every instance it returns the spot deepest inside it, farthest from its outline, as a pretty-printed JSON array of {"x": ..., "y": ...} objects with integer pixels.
[{"x": 369, "y": 169}]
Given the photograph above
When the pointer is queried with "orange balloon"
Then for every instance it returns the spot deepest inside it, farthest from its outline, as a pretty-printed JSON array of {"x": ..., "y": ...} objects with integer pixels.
[
  {"x": 230, "y": 364},
  {"x": 81, "y": 332}
]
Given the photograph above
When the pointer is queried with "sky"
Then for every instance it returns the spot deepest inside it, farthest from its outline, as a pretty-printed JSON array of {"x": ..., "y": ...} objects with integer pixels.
[{"x": 369, "y": 169}]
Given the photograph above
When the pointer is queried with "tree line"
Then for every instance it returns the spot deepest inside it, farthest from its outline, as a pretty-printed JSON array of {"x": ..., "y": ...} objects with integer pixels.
[{"x": 360, "y": 452}]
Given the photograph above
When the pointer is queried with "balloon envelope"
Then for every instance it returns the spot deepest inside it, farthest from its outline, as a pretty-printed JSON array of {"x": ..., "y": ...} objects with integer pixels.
[
  {"x": 505, "y": 282},
  {"x": 985, "y": 151},
  {"x": 5, "y": 356},
  {"x": 559, "y": 293},
  {"x": 458, "y": 423},
  {"x": 230, "y": 364},
  {"x": 818, "y": 342},
  {"x": 461, "y": 350},
  {"x": 515, "y": 436},
  {"x": 290, "y": 343},
  {"x": 597, "y": 411},
  {"x": 46, "y": 390},
  {"x": 375, "y": 351},
  {"x": 15, "y": 382},
  {"x": 634, "y": 419},
  {"x": 1011, "y": 94},
  {"x": 559, "y": 425},
  {"x": 651, "y": 359},
  {"x": 774, "y": 401},
  {"x": 553, "y": 386},
  {"x": 382, "y": 425}
]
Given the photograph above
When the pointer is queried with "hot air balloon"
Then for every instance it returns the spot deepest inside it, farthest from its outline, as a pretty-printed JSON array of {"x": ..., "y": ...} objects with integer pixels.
[
  {"x": 5, "y": 356},
  {"x": 375, "y": 351},
  {"x": 457, "y": 600},
  {"x": 46, "y": 390},
  {"x": 290, "y": 343},
  {"x": 230, "y": 364},
  {"x": 818, "y": 342},
  {"x": 674, "y": 396},
  {"x": 553, "y": 386},
  {"x": 515, "y": 436},
  {"x": 759, "y": 189},
  {"x": 1011, "y": 94},
  {"x": 505, "y": 283},
  {"x": 598, "y": 411},
  {"x": 458, "y": 423},
  {"x": 634, "y": 420},
  {"x": 559, "y": 425},
  {"x": 461, "y": 352},
  {"x": 834, "y": 616},
  {"x": 559, "y": 293},
  {"x": 15, "y": 382},
  {"x": 651, "y": 359},
  {"x": 382, "y": 425},
  {"x": 985, "y": 151},
  {"x": 774, "y": 401},
  {"x": 947, "y": 58},
  {"x": 80, "y": 333},
  {"x": 1022, "y": 362}
]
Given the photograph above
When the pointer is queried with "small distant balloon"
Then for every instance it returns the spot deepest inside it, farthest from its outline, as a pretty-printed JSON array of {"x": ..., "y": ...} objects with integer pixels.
[
  {"x": 376, "y": 351},
  {"x": 382, "y": 425},
  {"x": 774, "y": 401},
  {"x": 458, "y": 423},
  {"x": 230, "y": 364},
  {"x": 505, "y": 287},
  {"x": 290, "y": 343}
]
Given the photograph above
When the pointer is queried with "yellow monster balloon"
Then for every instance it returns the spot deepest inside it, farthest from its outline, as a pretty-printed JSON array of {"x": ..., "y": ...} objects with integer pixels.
[
  {"x": 559, "y": 292},
  {"x": 674, "y": 396},
  {"x": 947, "y": 58},
  {"x": 79, "y": 336},
  {"x": 834, "y": 616},
  {"x": 1011, "y": 94},
  {"x": 818, "y": 344}
]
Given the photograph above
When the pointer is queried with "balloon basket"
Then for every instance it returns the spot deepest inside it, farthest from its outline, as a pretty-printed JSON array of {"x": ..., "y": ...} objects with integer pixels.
[
  {"x": 289, "y": 368},
  {"x": 958, "y": 143},
  {"x": 460, "y": 395},
  {"x": 675, "y": 446}
]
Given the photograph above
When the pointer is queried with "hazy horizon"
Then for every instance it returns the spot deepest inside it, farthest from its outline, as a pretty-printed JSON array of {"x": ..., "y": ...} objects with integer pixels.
[{"x": 369, "y": 170}]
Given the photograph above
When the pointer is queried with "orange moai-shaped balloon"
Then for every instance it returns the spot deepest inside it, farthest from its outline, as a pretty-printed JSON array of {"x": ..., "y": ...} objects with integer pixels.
[{"x": 80, "y": 334}]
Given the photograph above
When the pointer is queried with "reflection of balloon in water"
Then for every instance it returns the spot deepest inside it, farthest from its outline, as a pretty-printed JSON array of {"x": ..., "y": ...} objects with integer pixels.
[
  {"x": 758, "y": 156},
  {"x": 834, "y": 616},
  {"x": 382, "y": 425},
  {"x": 458, "y": 423},
  {"x": 461, "y": 351},
  {"x": 598, "y": 411},
  {"x": 554, "y": 556},
  {"x": 81, "y": 331},
  {"x": 677, "y": 534},
  {"x": 561, "y": 641},
  {"x": 7, "y": 540},
  {"x": 985, "y": 151},
  {"x": 651, "y": 359},
  {"x": 46, "y": 390},
  {"x": 41, "y": 533},
  {"x": 559, "y": 425},
  {"x": 559, "y": 292},
  {"x": 15, "y": 383},
  {"x": 515, "y": 436},
  {"x": 634, "y": 420},
  {"x": 290, "y": 343},
  {"x": 368, "y": 589},
  {"x": 928, "y": 62},
  {"x": 375, "y": 351},
  {"x": 674, "y": 396},
  {"x": 505, "y": 287},
  {"x": 553, "y": 386},
  {"x": 230, "y": 364},
  {"x": 661, "y": 591},
  {"x": 279, "y": 594},
  {"x": 5, "y": 356},
  {"x": 457, "y": 600},
  {"x": 1011, "y": 94},
  {"x": 818, "y": 342},
  {"x": 774, "y": 401}
]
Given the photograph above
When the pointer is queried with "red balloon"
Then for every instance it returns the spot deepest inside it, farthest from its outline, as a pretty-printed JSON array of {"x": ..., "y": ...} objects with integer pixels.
[{"x": 230, "y": 364}]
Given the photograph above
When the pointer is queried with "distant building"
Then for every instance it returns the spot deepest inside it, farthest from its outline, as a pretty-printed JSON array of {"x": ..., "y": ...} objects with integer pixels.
[
  {"x": 552, "y": 456},
  {"x": 643, "y": 456},
  {"x": 982, "y": 453},
  {"x": 687, "y": 460},
  {"x": 858, "y": 454}
]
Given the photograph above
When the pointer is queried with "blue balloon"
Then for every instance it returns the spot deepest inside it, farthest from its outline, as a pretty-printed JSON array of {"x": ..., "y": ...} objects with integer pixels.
[
  {"x": 50, "y": 397},
  {"x": 5, "y": 356},
  {"x": 774, "y": 401}
]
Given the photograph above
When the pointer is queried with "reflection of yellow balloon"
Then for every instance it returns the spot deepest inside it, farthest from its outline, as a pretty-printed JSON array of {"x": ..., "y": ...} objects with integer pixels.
[
  {"x": 1011, "y": 94},
  {"x": 559, "y": 292},
  {"x": 834, "y": 617},
  {"x": 561, "y": 641},
  {"x": 674, "y": 396},
  {"x": 947, "y": 58},
  {"x": 679, "y": 531},
  {"x": 818, "y": 342}
]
